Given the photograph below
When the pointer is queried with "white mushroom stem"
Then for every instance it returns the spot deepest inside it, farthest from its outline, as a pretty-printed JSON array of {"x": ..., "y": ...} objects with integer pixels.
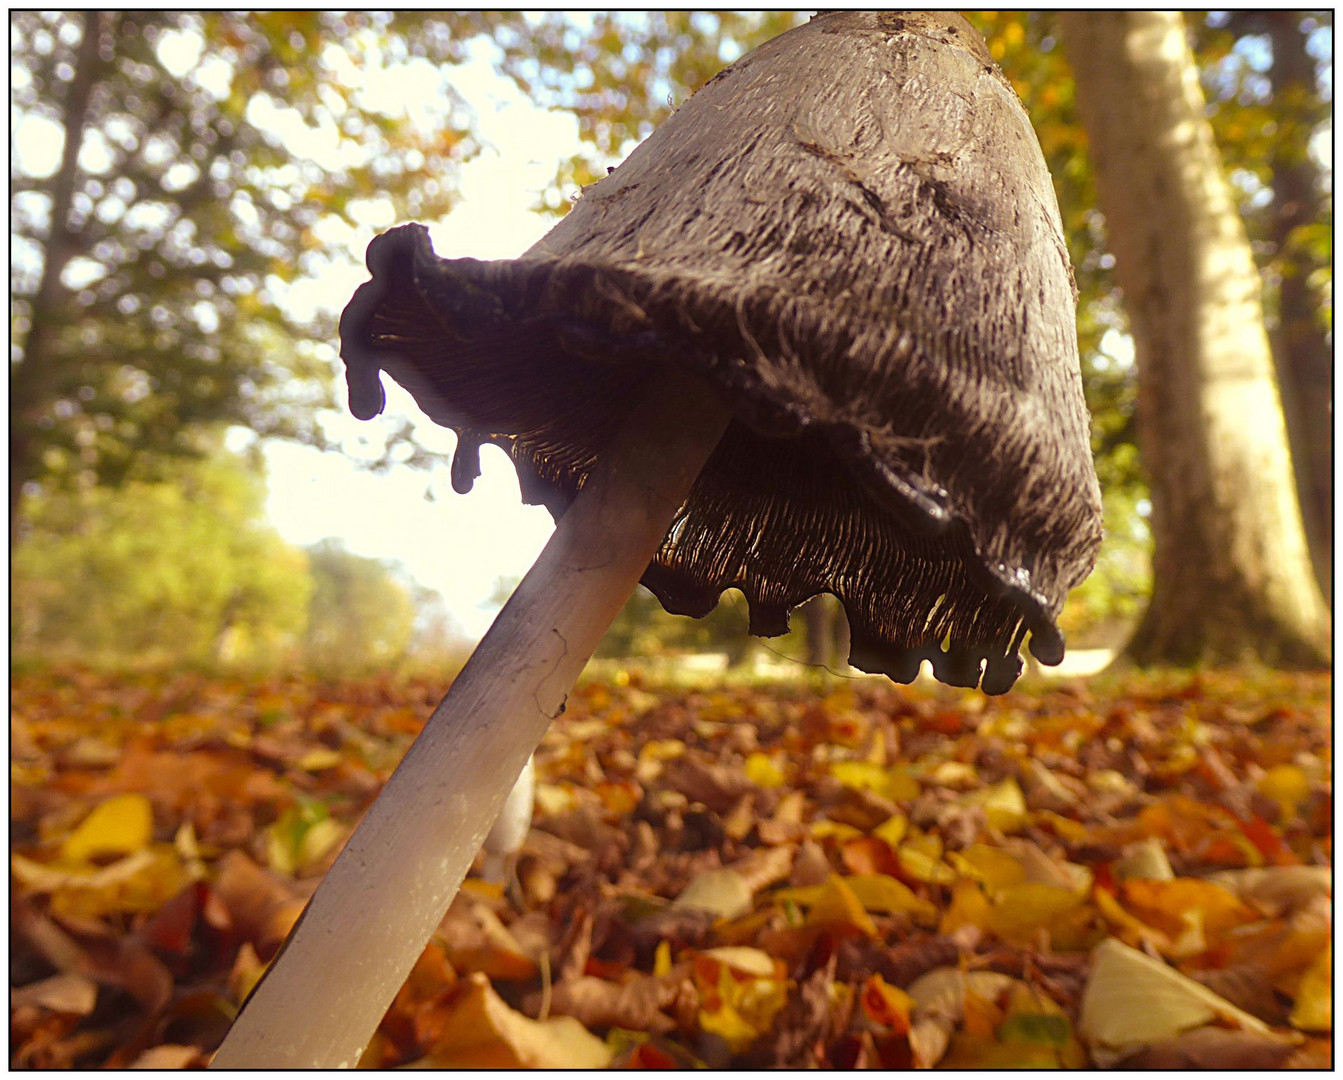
[
  {"x": 510, "y": 829},
  {"x": 369, "y": 920}
]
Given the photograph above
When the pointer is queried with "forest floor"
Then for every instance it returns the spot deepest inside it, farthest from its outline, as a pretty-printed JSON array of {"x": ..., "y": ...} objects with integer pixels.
[{"x": 823, "y": 872}]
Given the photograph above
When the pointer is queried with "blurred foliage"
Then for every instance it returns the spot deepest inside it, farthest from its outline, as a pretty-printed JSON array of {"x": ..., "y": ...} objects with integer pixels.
[
  {"x": 207, "y": 165},
  {"x": 184, "y": 570},
  {"x": 360, "y": 614},
  {"x": 179, "y": 570},
  {"x": 643, "y": 629}
]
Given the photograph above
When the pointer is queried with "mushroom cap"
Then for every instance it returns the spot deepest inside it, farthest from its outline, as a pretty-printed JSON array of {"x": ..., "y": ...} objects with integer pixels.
[{"x": 852, "y": 235}]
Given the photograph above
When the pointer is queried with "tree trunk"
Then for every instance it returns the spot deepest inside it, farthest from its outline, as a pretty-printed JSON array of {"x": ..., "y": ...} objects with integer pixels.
[
  {"x": 1232, "y": 578},
  {"x": 1300, "y": 344},
  {"x": 827, "y": 632},
  {"x": 34, "y": 379}
]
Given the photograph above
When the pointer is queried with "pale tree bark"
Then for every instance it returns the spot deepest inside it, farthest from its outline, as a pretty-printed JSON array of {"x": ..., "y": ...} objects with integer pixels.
[
  {"x": 1300, "y": 343},
  {"x": 1232, "y": 577}
]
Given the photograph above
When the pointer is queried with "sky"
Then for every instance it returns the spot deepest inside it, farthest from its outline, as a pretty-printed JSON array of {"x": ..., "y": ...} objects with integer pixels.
[{"x": 459, "y": 545}]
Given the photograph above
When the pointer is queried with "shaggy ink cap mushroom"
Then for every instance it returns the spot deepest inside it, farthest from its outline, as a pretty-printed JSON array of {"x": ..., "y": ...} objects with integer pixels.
[{"x": 852, "y": 235}]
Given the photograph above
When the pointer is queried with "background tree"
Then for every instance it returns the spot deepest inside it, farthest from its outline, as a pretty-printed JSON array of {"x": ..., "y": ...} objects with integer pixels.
[
  {"x": 360, "y": 614},
  {"x": 1267, "y": 75},
  {"x": 197, "y": 167},
  {"x": 182, "y": 570},
  {"x": 1232, "y": 578}
]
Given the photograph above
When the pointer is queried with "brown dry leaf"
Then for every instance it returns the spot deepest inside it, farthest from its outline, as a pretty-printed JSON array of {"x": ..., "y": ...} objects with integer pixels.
[
  {"x": 1278, "y": 890},
  {"x": 98, "y": 953},
  {"x": 481, "y": 1032},
  {"x": 810, "y": 867},
  {"x": 68, "y": 992},
  {"x": 636, "y": 1004},
  {"x": 764, "y": 867},
  {"x": 1246, "y": 988},
  {"x": 939, "y": 998},
  {"x": 796, "y": 1036},
  {"x": 474, "y": 940},
  {"x": 175, "y": 781},
  {"x": 261, "y": 906},
  {"x": 718, "y": 787},
  {"x": 1212, "y": 1048}
]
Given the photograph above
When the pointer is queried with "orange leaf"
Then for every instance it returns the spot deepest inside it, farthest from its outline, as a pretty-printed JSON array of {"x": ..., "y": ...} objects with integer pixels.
[
  {"x": 868, "y": 855},
  {"x": 886, "y": 1005}
]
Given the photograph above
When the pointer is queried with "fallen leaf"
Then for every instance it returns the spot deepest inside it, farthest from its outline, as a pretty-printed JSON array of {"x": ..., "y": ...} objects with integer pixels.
[
  {"x": 482, "y": 1032},
  {"x": 118, "y": 826},
  {"x": 169, "y": 1056},
  {"x": 1132, "y": 1001},
  {"x": 1145, "y": 860},
  {"x": 764, "y": 770},
  {"x": 596, "y": 1003},
  {"x": 1314, "y": 1009},
  {"x": 891, "y": 783},
  {"x": 724, "y": 892},
  {"x": 886, "y": 1005},
  {"x": 1278, "y": 890},
  {"x": 740, "y": 994},
  {"x": 1212, "y": 1047},
  {"x": 884, "y": 894},
  {"x": 65, "y": 993}
]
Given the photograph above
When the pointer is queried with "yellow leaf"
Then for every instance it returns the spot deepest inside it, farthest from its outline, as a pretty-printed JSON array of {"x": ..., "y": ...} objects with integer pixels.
[
  {"x": 921, "y": 858},
  {"x": 824, "y": 828},
  {"x": 1020, "y": 912},
  {"x": 144, "y": 880},
  {"x": 835, "y": 904},
  {"x": 883, "y": 893},
  {"x": 119, "y": 826},
  {"x": 319, "y": 758},
  {"x": 1145, "y": 860},
  {"x": 554, "y": 799},
  {"x": 482, "y": 1032},
  {"x": 959, "y": 774},
  {"x": 740, "y": 994},
  {"x": 894, "y": 784},
  {"x": 1066, "y": 828},
  {"x": 1004, "y": 805},
  {"x": 763, "y": 771},
  {"x": 662, "y": 959},
  {"x": 1288, "y": 786},
  {"x": 1314, "y": 1008},
  {"x": 969, "y": 907},
  {"x": 991, "y": 865},
  {"x": 892, "y": 830}
]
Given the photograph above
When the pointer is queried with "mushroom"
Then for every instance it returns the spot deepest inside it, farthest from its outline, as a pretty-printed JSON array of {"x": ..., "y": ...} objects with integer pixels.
[{"x": 816, "y": 334}]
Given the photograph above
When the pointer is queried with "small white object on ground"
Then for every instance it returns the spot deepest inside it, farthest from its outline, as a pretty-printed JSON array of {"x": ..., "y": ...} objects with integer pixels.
[{"x": 510, "y": 827}]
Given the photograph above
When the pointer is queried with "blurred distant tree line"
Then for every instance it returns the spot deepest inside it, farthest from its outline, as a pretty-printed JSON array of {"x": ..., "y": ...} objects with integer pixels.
[
  {"x": 161, "y": 247},
  {"x": 184, "y": 569}
]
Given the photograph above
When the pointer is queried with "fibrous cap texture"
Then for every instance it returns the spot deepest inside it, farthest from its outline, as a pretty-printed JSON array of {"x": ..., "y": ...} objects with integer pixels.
[{"x": 851, "y": 234}]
